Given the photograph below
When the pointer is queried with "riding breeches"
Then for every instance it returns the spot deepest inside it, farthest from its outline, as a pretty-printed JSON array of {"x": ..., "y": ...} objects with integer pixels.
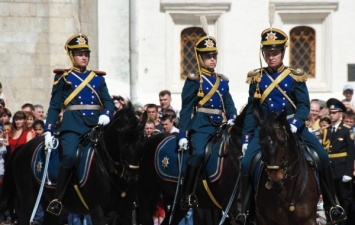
[
  {"x": 198, "y": 144},
  {"x": 311, "y": 141},
  {"x": 70, "y": 142}
]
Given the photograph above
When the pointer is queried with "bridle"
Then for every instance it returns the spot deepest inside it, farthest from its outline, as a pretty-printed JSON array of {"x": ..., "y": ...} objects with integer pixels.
[{"x": 284, "y": 165}]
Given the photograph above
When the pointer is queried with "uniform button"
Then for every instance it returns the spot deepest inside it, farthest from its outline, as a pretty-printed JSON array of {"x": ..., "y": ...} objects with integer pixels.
[
  {"x": 76, "y": 85},
  {"x": 211, "y": 99},
  {"x": 92, "y": 113},
  {"x": 219, "y": 117},
  {"x": 83, "y": 114},
  {"x": 266, "y": 86},
  {"x": 285, "y": 85},
  {"x": 222, "y": 89},
  {"x": 92, "y": 102},
  {"x": 92, "y": 96},
  {"x": 283, "y": 98},
  {"x": 283, "y": 103},
  {"x": 211, "y": 117},
  {"x": 79, "y": 96},
  {"x": 272, "y": 105},
  {"x": 93, "y": 85},
  {"x": 81, "y": 103},
  {"x": 212, "y": 106},
  {"x": 207, "y": 88},
  {"x": 270, "y": 99}
]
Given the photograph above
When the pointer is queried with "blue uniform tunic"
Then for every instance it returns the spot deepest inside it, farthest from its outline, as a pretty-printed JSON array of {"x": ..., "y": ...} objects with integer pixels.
[
  {"x": 76, "y": 123},
  {"x": 202, "y": 125},
  {"x": 295, "y": 87}
]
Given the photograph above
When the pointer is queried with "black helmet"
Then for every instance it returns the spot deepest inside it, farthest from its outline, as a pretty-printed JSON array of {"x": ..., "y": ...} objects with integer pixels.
[
  {"x": 206, "y": 44},
  {"x": 77, "y": 42},
  {"x": 273, "y": 39}
]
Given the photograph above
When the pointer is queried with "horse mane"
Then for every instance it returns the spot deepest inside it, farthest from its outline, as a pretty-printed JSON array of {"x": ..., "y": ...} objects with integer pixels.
[{"x": 122, "y": 136}]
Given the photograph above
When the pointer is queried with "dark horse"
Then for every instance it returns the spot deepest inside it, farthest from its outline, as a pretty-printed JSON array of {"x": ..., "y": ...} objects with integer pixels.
[
  {"x": 287, "y": 192},
  {"x": 211, "y": 195},
  {"x": 109, "y": 186}
]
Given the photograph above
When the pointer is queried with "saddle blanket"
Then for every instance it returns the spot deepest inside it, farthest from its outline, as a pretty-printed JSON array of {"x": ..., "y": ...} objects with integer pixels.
[
  {"x": 39, "y": 159},
  {"x": 167, "y": 161}
]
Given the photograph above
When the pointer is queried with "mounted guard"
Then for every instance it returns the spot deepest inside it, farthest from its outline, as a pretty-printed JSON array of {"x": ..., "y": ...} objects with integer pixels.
[
  {"x": 205, "y": 102},
  {"x": 86, "y": 102},
  {"x": 278, "y": 88}
]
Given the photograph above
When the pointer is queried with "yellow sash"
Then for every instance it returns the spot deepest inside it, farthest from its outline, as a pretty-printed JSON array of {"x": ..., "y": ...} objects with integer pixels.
[
  {"x": 79, "y": 88},
  {"x": 273, "y": 85},
  {"x": 210, "y": 93}
]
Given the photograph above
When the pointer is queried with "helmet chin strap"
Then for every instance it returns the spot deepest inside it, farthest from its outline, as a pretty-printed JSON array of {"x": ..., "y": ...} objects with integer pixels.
[{"x": 73, "y": 66}]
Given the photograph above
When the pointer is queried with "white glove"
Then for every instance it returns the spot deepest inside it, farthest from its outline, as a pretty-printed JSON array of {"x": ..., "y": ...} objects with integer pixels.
[
  {"x": 244, "y": 148},
  {"x": 230, "y": 122},
  {"x": 48, "y": 139},
  {"x": 346, "y": 178},
  {"x": 293, "y": 128},
  {"x": 183, "y": 143},
  {"x": 104, "y": 120}
]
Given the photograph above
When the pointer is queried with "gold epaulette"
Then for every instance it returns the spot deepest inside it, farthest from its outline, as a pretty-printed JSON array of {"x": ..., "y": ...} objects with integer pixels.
[
  {"x": 63, "y": 73},
  {"x": 193, "y": 76},
  {"x": 223, "y": 77},
  {"x": 254, "y": 76},
  {"x": 298, "y": 74}
]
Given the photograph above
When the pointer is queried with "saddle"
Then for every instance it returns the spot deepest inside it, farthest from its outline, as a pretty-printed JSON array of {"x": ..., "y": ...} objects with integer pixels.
[
  {"x": 84, "y": 159},
  {"x": 166, "y": 159}
]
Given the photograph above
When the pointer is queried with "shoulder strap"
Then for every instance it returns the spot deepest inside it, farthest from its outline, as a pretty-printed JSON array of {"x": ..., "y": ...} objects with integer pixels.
[
  {"x": 79, "y": 88},
  {"x": 273, "y": 85},
  {"x": 210, "y": 93}
]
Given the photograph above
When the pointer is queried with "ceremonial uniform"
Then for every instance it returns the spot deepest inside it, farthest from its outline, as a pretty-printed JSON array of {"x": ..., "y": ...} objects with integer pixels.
[
  {"x": 205, "y": 98},
  {"x": 338, "y": 140},
  {"x": 208, "y": 116},
  {"x": 278, "y": 88},
  {"x": 81, "y": 113},
  {"x": 83, "y": 96},
  {"x": 294, "y": 87}
]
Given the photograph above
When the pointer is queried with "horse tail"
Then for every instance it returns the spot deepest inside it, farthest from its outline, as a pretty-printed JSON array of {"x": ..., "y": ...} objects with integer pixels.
[{"x": 8, "y": 192}]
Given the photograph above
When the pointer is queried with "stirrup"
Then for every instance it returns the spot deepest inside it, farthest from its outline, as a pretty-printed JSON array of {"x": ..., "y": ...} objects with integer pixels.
[
  {"x": 189, "y": 201},
  {"x": 55, "y": 207},
  {"x": 241, "y": 219},
  {"x": 342, "y": 216}
]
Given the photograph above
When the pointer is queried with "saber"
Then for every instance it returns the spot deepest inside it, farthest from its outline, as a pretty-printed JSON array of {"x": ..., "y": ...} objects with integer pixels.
[
  {"x": 43, "y": 181},
  {"x": 180, "y": 158},
  {"x": 225, "y": 214}
]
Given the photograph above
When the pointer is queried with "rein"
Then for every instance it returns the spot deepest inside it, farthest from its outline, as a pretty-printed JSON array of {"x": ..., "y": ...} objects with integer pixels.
[
  {"x": 296, "y": 175},
  {"x": 105, "y": 161}
]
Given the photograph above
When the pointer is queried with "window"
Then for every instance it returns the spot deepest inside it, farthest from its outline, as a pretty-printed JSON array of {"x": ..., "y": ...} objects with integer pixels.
[
  {"x": 189, "y": 37},
  {"x": 303, "y": 49}
]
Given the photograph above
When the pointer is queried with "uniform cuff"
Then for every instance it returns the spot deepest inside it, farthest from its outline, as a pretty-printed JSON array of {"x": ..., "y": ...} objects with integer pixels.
[
  {"x": 294, "y": 122},
  {"x": 182, "y": 134},
  {"x": 246, "y": 139}
]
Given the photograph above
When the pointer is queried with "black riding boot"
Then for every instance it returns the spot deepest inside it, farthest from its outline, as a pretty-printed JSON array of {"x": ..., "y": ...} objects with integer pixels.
[
  {"x": 245, "y": 196},
  {"x": 189, "y": 199},
  {"x": 333, "y": 211},
  {"x": 55, "y": 206}
]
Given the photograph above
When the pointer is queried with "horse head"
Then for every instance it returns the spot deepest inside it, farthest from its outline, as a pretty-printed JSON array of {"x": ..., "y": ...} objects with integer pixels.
[
  {"x": 121, "y": 138},
  {"x": 277, "y": 148}
]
